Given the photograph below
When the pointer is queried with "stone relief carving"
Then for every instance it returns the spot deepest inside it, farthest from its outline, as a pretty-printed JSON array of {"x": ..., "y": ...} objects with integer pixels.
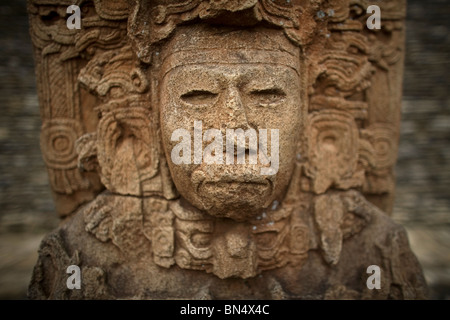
[{"x": 142, "y": 226}]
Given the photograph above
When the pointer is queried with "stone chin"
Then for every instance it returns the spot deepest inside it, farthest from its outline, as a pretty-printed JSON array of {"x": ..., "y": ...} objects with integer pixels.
[{"x": 236, "y": 193}]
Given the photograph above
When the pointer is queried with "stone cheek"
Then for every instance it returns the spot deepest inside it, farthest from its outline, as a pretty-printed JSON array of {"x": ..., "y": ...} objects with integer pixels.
[{"x": 275, "y": 209}]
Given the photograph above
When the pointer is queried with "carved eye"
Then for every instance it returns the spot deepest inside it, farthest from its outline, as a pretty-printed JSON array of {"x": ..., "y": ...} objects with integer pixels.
[
  {"x": 199, "y": 97},
  {"x": 267, "y": 97}
]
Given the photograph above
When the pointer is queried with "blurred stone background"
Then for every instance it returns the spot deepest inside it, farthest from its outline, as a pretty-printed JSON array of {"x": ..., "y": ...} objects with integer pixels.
[{"x": 423, "y": 170}]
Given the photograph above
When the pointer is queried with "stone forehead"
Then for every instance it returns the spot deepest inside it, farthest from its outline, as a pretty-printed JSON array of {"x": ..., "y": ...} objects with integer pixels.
[
  {"x": 208, "y": 37},
  {"x": 201, "y": 45}
]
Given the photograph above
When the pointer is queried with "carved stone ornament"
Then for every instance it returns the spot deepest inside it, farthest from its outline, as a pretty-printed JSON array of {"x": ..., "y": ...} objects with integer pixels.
[{"x": 156, "y": 199}]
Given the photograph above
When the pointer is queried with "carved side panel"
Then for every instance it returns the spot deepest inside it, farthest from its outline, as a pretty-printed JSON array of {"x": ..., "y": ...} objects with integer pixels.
[
  {"x": 66, "y": 108},
  {"x": 355, "y": 101},
  {"x": 96, "y": 112}
]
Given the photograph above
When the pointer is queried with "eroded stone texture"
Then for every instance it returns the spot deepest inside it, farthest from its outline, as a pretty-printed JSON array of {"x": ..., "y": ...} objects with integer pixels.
[{"x": 142, "y": 225}]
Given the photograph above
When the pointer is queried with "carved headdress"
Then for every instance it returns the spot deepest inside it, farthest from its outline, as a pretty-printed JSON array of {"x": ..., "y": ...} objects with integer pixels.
[{"x": 95, "y": 88}]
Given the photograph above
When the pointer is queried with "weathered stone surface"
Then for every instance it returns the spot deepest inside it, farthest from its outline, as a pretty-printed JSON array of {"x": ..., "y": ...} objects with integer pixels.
[{"x": 142, "y": 225}]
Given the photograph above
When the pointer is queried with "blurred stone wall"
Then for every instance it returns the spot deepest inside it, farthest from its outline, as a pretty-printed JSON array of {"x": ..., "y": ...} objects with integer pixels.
[
  {"x": 423, "y": 171},
  {"x": 26, "y": 208}
]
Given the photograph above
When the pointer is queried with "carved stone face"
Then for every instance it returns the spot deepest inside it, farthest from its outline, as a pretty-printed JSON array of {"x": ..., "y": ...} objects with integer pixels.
[{"x": 231, "y": 80}]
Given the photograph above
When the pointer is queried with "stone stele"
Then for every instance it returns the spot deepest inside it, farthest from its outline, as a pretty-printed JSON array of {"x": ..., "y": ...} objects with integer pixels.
[{"x": 308, "y": 78}]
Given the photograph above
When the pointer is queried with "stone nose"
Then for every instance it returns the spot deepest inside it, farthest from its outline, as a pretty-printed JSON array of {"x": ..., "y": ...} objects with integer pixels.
[{"x": 234, "y": 113}]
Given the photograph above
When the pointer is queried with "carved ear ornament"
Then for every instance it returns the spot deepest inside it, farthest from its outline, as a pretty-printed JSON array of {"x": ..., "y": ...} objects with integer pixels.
[{"x": 339, "y": 216}]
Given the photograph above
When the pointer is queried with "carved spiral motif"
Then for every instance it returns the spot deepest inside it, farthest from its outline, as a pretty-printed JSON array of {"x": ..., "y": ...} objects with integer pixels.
[
  {"x": 58, "y": 138},
  {"x": 299, "y": 239},
  {"x": 385, "y": 147}
]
